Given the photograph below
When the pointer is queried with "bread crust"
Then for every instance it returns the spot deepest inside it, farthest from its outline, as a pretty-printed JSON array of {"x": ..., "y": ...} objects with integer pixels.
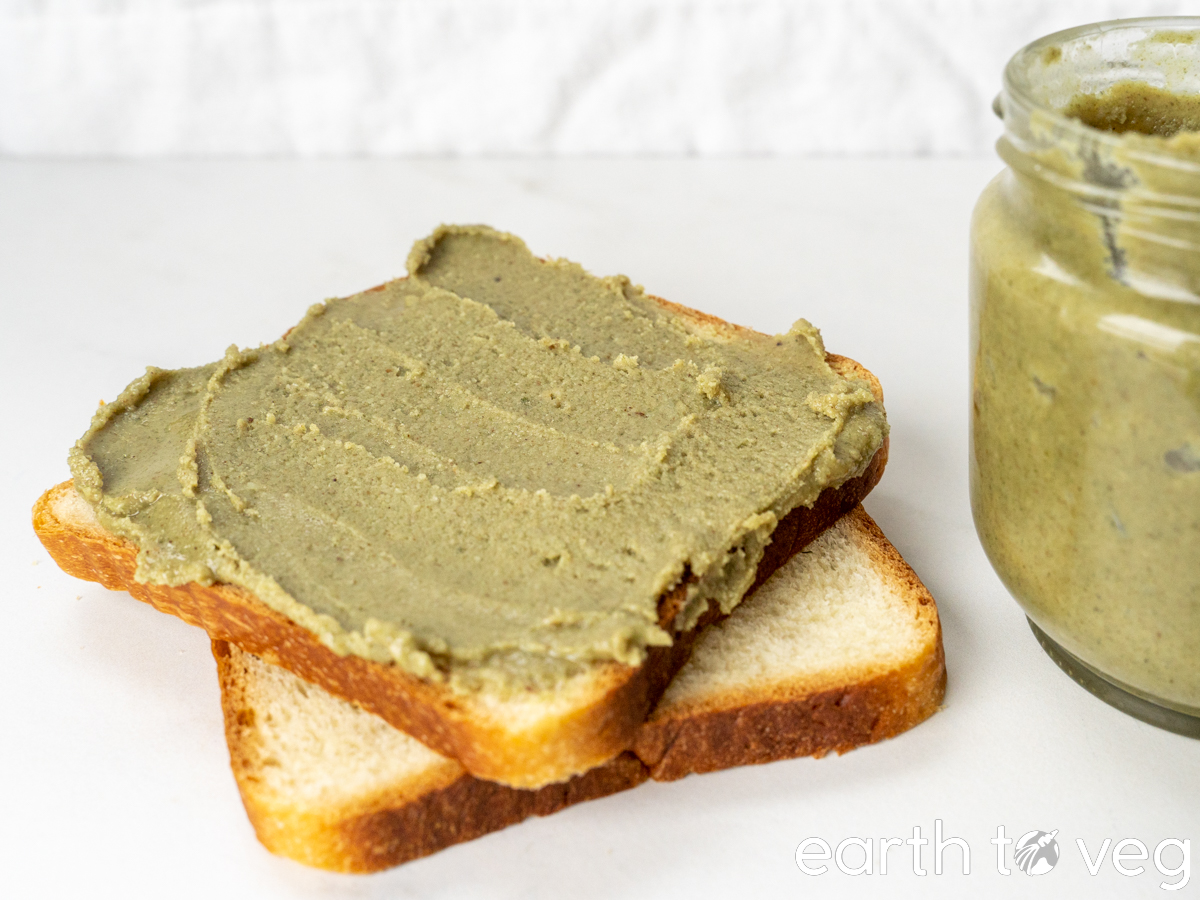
[{"x": 583, "y": 735}]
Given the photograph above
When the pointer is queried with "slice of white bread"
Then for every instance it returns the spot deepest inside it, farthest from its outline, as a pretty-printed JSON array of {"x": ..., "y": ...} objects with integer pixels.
[
  {"x": 841, "y": 647},
  {"x": 524, "y": 742}
]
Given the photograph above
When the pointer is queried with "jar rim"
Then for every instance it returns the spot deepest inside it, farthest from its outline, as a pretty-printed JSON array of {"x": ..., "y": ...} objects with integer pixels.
[{"x": 1018, "y": 90}]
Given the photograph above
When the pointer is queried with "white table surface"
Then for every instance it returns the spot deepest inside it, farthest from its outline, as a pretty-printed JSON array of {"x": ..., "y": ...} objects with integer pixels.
[{"x": 114, "y": 778}]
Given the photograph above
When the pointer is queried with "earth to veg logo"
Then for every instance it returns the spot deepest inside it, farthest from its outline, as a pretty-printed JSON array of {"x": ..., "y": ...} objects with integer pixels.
[{"x": 1036, "y": 852}]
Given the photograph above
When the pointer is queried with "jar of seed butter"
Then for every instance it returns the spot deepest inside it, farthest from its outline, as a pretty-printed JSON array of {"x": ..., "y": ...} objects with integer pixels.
[{"x": 1085, "y": 348}]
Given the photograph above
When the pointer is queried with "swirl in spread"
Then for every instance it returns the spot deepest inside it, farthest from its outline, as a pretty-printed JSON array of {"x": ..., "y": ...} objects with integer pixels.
[{"x": 489, "y": 471}]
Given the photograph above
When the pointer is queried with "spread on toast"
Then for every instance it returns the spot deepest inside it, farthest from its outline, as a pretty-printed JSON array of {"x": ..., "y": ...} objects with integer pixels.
[{"x": 487, "y": 473}]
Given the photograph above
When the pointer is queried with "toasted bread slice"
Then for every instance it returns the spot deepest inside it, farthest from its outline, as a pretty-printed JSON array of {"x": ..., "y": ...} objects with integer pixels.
[
  {"x": 841, "y": 647},
  {"x": 523, "y": 742}
]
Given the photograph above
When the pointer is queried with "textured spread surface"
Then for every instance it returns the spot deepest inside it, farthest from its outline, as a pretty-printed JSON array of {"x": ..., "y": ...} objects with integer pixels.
[{"x": 493, "y": 469}]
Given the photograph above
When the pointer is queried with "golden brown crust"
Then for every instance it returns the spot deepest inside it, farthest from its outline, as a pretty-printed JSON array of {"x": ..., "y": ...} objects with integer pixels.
[
  {"x": 707, "y": 320},
  {"x": 764, "y": 723},
  {"x": 619, "y": 697},
  {"x": 470, "y": 808}
]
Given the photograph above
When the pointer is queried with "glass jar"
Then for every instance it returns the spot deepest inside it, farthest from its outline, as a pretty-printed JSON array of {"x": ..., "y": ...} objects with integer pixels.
[{"x": 1085, "y": 355}]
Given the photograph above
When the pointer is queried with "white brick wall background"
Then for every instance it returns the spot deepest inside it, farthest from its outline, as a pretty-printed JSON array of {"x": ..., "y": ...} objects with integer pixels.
[{"x": 149, "y": 78}]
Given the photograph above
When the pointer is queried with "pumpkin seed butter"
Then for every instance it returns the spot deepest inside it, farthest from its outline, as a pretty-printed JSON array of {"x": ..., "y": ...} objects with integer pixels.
[
  {"x": 1086, "y": 471},
  {"x": 486, "y": 473}
]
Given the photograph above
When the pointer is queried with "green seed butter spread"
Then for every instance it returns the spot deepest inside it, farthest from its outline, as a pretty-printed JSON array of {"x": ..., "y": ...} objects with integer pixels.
[
  {"x": 486, "y": 473},
  {"x": 1086, "y": 482}
]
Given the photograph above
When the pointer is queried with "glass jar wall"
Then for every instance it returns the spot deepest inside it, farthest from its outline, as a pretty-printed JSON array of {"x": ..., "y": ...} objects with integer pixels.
[{"x": 1085, "y": 311}]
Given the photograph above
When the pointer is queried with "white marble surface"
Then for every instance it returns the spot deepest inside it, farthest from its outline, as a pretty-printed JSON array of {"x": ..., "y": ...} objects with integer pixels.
[
  {"x": 115, "y": 780},
  {"x": 382, "y": 77}
]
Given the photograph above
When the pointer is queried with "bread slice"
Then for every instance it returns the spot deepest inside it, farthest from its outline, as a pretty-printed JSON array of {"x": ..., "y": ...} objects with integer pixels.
[
  {"x": 524, "y": 742},
  {"x": 841, "y": 647}
]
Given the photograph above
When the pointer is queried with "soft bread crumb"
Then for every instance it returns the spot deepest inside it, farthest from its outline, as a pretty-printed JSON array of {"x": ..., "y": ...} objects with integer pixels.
[
  {"x": 68, "y": 506},
  {"x": 315, "y": 748},
  {"x": 829, "y": 616}
]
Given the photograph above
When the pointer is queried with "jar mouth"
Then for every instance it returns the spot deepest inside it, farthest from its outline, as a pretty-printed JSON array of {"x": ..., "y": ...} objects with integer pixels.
[{"x": 1043, "y": 77}]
